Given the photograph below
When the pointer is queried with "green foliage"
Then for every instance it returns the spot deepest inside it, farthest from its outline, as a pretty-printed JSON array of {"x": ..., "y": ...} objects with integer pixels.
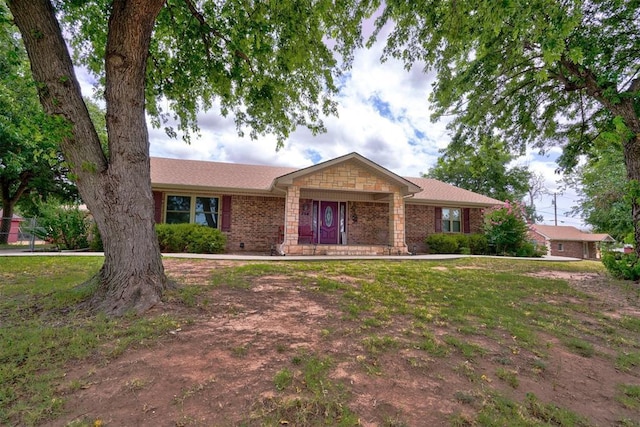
[
  {"x": 538, "y": 73},
  {"x": 602, "y": 186},
  {"x": 482, "y": 167},
  {"x": 66, "y": 226},
  {"x": 455, "y": 243},
  {"x": 190, "y": 238},
  {"x": 506, "y": 229},
  {"x": 443, "y": 243},
  {"x": 265, "y": 63},
  {"x": 95, "y": 239},
  {"x": 478, "y": 244},
  {"x": 622, "y": 266},
  {"x": 30, "y": 163}
]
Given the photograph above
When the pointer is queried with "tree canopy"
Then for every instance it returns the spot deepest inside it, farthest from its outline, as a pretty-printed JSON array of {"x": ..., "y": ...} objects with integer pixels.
[
  {"x": 602, "y": 186},
  {"x": 537, "y": 73},
  {"x": 482, "y": 167}
]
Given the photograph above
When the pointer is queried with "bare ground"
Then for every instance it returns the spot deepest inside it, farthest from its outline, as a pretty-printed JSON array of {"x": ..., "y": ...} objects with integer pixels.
[{"x": 219, "y": 368}]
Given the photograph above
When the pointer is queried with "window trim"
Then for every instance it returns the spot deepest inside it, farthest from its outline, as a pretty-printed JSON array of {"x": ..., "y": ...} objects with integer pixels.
[
  {"x": 192, "y": 206},
  {"x": 560, "y": 247}
]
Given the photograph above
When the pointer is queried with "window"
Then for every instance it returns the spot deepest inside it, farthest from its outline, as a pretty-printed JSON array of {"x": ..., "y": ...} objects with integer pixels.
[
  {"x": 560, "y": 247},
  {"x": 207, "y": 211},
  {"x": 451, "y": 220},
  {"x": 178, "y": 209},
  {"x": 196, "y": 209}
]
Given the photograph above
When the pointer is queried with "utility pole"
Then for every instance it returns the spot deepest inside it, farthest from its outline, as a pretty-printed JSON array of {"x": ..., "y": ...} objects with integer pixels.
[{"x": 555, "y": 208}]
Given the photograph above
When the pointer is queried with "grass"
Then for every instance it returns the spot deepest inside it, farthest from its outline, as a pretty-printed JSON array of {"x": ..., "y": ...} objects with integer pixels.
[
  {"x": 42, "y": 331},
  {"x": 434, "y": 311},
  {"x": 311, "y": 396}
]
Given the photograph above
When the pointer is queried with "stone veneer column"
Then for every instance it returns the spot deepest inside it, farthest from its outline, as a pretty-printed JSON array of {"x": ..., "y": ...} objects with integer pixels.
[
  {"x": 291, "y": 220},
  {"x": 396, "y": 225}
]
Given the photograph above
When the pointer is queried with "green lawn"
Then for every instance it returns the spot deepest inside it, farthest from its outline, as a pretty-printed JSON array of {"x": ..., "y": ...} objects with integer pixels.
[{"x": 42, "y": 330}]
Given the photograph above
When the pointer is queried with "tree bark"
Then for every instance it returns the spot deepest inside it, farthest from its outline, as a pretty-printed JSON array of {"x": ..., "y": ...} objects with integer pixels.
[
  {"x": 117, "y": 190},
  {"x": 632, "y": 163}
]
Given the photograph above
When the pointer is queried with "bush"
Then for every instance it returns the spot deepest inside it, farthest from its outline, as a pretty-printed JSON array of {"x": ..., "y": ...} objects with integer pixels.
[
  {"x": 190, "y": 238},
  {"x": 478, "y": 244},
  {"x": 443, "y": 243},
  {"x": 66, "y": 226},
  {"x": 506, "y": 229},
  {"x": 95, "y": 239},
  {"x": 622, "y": 266},
  {"x": 530, "y": 250}
]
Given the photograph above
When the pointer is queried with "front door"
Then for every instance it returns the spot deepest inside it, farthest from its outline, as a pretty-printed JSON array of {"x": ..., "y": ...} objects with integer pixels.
[{"x": 329, "y": 222}]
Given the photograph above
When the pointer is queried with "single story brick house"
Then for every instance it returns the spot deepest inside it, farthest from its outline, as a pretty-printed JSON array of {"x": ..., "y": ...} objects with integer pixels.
[
  {"x": 345, "y": 206},
  {"x": 563, "y": 240}
]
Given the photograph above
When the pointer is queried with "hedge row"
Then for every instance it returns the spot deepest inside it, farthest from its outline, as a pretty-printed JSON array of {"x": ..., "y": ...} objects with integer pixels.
[
  {"x": 190, "y": 238},
  {"x": 474, "y": 244}
]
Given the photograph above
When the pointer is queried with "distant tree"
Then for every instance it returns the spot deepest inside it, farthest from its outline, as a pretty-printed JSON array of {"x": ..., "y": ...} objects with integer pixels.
[
  {"x": 603, "y": 190},
  {"x": 539, "y": 73},
  {"x": 536, "y": 190},
  {"x": 483, "y": 167}
]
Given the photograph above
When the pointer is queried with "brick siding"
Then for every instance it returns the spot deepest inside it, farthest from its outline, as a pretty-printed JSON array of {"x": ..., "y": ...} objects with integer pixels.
[{"x": 255, "y": 221}]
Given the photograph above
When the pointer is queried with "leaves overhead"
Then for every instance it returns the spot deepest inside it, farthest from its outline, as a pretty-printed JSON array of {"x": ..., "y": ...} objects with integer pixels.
[
  {"x": 268, "y": 64},
  {"x": 542, "y": 72}
]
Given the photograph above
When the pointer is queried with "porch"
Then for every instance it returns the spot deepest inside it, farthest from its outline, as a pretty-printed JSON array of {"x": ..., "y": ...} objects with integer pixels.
[{"x": 344, "y": 250}]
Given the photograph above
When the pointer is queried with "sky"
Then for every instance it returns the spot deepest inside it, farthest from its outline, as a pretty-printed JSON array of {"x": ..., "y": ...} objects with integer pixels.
[{"x": 384, "y": 115}]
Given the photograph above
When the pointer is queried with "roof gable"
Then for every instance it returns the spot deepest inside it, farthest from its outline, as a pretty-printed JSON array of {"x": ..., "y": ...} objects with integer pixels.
[{"x": 350, "y": 172}]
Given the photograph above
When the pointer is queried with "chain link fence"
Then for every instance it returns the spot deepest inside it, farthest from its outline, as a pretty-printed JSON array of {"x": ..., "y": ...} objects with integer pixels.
[{"x": 23, "y": 232}]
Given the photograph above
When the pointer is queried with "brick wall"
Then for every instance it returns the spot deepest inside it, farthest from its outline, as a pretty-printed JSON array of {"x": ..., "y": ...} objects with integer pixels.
[
  {"x": 420, "y": 223},
  {"x": 573, "y": 249},
  {"x": 255, "y": 221},
  {"x": 570, "y": 249},
  {"x": 372, "y": 227}
]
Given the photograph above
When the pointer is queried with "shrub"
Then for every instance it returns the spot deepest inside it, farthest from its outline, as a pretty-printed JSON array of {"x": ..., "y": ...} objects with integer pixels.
[
  {"x": 622, "y": 266},
  {"x": 95, "y": 239},
  {"x": 506, "y": 228},
  {"x": 191, "y": 238},
  {"x": 478, "y": 244},
  {"x": 442, "y": 243},
  {"x": 66, "y": 226}
]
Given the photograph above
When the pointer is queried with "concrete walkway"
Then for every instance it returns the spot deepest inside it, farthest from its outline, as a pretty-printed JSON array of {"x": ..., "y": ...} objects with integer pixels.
[{"x": 265, "y": 258}]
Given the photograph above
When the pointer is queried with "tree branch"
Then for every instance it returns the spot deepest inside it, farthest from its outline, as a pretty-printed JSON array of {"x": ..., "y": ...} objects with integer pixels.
[{"x": 209, "y": 30}]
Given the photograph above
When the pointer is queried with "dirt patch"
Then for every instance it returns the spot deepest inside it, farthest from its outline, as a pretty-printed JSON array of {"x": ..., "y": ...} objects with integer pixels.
[{"x": 218, "y": 367}]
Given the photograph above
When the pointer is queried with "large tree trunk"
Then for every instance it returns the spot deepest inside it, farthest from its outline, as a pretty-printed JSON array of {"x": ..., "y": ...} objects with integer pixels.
[
  {"x": 632, "y": 162},
  {"x": 116, "y": 190}
]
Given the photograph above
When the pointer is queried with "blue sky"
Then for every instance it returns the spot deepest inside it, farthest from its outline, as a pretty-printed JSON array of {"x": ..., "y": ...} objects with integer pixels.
[{"x": 384, "y": 115}]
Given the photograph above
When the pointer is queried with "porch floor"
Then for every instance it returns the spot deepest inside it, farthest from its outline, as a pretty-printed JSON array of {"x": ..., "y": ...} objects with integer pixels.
[{"x": 344, "y": 250}]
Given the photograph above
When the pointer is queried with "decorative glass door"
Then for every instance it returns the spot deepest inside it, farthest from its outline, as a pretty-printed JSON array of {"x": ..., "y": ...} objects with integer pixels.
[{"x": 329, "y": 222}]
